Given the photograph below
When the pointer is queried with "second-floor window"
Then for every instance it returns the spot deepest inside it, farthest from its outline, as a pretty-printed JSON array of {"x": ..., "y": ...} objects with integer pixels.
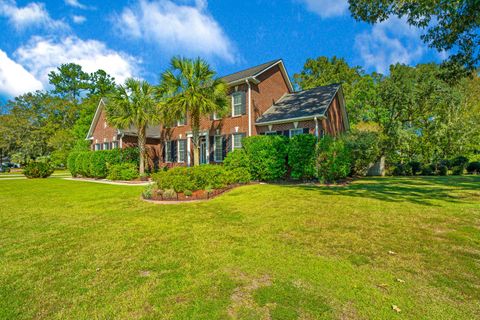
[
  {"x": 182, "y": 121},
  {"x": 238, "y": 103}
]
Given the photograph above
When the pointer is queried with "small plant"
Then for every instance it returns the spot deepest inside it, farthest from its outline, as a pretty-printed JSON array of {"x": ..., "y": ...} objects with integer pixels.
[
  {"x": 188, "y": 193},
  {"x": 474, "y": 167},
  {"x": 169, "y": 194},
  {"x": 38, "y": 169},
  {"x": 124, "y": 171},
  {"x": 428, "y": 170},
  {"x": 149, "y": 191},
  {"x": 209, "y": 189}
]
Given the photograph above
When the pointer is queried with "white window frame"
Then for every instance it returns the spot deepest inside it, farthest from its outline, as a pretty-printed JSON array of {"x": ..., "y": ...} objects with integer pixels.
[
  {"x": 290, "y": 132},
  {"x": 238, "y": 93},
  {"x": 215, "y": 148},
  {"x": 239, "y": 134},
  {"x": 184, "y": 151}
]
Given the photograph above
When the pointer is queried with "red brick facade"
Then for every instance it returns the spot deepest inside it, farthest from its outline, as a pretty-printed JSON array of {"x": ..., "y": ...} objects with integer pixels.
[{"x": 260, "y": 94}]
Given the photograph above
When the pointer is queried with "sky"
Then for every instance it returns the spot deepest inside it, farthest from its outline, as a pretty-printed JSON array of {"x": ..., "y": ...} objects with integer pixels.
[{"x": 137, "y": 38}]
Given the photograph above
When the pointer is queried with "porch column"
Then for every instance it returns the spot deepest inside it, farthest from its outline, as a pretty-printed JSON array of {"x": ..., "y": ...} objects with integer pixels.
[
  {"x": 207, "y": 146},
  {"x": 188, "y": 151},
  {"x": 316, "y": 126}
]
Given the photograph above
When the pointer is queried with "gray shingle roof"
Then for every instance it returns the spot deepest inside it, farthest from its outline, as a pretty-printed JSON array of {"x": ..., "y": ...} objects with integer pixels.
[
  {"x": 152, "y": 131},
  {"x": 250, "y": 72},
  {"x": 308, "y": 103}
]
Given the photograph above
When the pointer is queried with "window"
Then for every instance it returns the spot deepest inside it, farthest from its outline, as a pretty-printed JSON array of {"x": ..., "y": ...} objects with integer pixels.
[
  {"x": 114, "y": 144},
  {"x": 238, "y": 103},
  {"x": 182, "y": 147},
  {"x": 237, "y": 140},
  {"x": 271, "y": 133},
  {"x": 296, "y": 132},
  {"x": 218, "y": 149},
  {"x": 106, "y": 145},
  {"x": 98, "y": 147},
  {"x": 182, "y": 122},
  {"x": 168, "y": 153},
  {"x": 215, "y": 116}
]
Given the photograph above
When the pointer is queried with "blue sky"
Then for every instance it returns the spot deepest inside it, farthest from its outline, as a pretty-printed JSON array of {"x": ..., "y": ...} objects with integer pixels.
[{"x": 138, "y": 37}]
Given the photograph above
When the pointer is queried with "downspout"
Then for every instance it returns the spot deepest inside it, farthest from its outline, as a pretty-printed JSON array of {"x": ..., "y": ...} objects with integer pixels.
[{"x": 249, "y": 108}]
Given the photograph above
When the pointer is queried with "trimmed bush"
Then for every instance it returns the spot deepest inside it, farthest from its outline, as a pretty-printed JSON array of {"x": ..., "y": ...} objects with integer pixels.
[
  {"x": 442, "y": 170},
  {"x": 301, "y": 156},
  {"x": 98, "y": 164},
  {"x": 459, "y": 161},
  {"x": 428, "y": 170},
  {"x": 38, "y": 169},
  {"x": 267, "y": 155},
  {"x": 402, "y": 169},
  {"x": 237, "y": 175},
  {"x": 458, "y": 170},
  {"x": 474, "y": 167},
  {"x": 364, "y": 148},
  {"x": 71, "y": 163},
  {"x": 237, "y": 159},
  {"x": 177, "y": 178},
  {"x": 85, "y": 166},
  {"x": 123, "y": 171},
  {"x": 333, "y": 160},
  {"x": 416, "y": 167}
]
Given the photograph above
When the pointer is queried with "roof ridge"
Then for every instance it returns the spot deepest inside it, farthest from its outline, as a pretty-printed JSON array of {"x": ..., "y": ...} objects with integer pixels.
[{"x": 266, "y": 64}]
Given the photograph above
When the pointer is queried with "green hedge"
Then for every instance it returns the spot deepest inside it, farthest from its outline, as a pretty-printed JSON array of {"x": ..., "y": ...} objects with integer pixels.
[
  {"x": 96, "y": 164},
  {"x": 333, "y": 159},
  {"x": 38, "y": 169},
  {"x": 267, "y": 156},
  {"x": 301, "y": 156},
  {"x": 201, "y": 177},
  {"x": 123, "y": 171}
]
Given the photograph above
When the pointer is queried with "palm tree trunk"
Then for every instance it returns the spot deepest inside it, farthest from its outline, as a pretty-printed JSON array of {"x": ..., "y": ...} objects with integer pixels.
[{"x": 141, "y": 147}]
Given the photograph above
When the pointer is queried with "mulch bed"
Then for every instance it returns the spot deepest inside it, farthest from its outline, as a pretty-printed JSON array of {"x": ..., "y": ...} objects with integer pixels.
[{"x": 196, "y": 195}]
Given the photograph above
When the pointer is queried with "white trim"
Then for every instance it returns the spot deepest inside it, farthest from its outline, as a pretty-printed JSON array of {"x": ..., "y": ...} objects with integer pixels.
[
  {"x": 316, "y": 126},
  {"x": 95, "y": 119},
  {"x": 319, "y": 116},
  {"x": 178, "y": 150},
  {"x": 270, "y": 133},
  {"x": 295, "y": 124},
  {"x": 207, "y": 149},
  {"x": 188, "y": 151},
  {"x": 215, "y": 148}
]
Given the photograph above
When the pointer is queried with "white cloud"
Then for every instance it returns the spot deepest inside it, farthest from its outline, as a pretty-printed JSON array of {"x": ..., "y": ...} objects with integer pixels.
[
  {"x": 79, "y": 19},
  {"x": 327, "y": 8},
  {"x": 176, "y": 28},
  {"x": 389, "y": 42},
  {"x": 76, "y": 4},
  {"x": 14, "y": 79},
  {"x": 33, "y": 14},
  {"x": 42, "y": 55}
]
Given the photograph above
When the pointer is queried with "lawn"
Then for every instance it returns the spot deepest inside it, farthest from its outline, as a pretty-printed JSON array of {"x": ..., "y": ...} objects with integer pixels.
[{"x": 80, "y": 250}]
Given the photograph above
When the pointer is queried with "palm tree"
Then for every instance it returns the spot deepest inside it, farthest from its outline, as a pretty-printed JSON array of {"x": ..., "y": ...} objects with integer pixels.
[
  {"x": 189, "y": 87},
  {"x": 134, "y": 105}
]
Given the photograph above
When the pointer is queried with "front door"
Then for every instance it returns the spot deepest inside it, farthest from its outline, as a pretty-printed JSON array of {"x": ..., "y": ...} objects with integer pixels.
[{"x": 203, "y": 151}]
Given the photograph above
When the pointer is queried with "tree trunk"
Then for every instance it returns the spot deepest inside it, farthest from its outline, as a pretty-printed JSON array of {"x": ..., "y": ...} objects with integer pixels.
[
  {"x": 196, "y": 140},
  {"x": 141, "y": 148}
]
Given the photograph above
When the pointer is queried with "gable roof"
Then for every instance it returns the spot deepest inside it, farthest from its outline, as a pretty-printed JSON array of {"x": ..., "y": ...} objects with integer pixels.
[
  {"x": 253, "y": 72},
  {"x": 306, "y": 104}
]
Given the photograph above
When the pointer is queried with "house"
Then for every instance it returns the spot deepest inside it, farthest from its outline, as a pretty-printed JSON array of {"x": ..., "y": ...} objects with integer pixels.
[{"x": 263, "y": 103}]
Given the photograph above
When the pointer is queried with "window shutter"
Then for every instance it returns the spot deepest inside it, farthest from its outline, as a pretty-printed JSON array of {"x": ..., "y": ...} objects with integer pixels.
[
  {"x": 173, "y": 149},
  {"x": 211, "y": 147},
  {"x": 164, "y": 152},
  {"x": 306, "y": 131},
  {"x": 244, "y": 103}
]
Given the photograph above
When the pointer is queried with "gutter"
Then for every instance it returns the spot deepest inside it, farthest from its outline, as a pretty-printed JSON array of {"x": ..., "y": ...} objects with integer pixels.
[{"x": 317, "y": 116}]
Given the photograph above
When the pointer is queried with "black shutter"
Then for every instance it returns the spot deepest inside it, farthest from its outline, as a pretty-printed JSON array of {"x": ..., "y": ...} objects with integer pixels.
[
  {"x": 173, "y": 148},
  {"x": 211, "y": 146},
  {"x": 261, "y": 134},
  {"x": 164, "y": 154},
  {"x": 306, "y": 131},
  {"x": 286, "y": 133},
  {"x": 280, "y": 133}
]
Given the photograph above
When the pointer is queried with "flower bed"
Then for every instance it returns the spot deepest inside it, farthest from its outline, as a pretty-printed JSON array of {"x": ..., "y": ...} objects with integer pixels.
[{"x": 160, "y": 195}]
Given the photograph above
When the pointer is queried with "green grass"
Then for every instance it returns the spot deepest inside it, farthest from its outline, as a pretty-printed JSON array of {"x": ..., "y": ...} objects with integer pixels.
[{"x": 80, "y": 250}]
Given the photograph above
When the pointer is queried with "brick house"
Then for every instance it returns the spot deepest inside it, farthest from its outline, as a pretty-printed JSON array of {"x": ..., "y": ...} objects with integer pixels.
[{"x": 263, "y": 103}]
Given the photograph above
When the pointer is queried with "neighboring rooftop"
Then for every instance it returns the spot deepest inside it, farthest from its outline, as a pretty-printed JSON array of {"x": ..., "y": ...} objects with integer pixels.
[
  {"x": 303, "y": 104},
  {"x": 250, "y": 72}
]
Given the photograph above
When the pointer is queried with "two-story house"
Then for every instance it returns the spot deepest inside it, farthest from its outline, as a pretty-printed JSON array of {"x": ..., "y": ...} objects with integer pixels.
[{"x": 263, "y": 102}]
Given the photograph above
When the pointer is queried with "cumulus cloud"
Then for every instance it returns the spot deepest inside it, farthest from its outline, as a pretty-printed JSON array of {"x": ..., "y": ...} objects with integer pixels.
[
  {"x": 176, "y": 28},
  {"x": 42, "y": 55},
  {"x": 76, "y": 4},
  {"x": 14, "y": 78},
  {"x": 389, "y": 42},
  {"x": 327, "y": 8},
  {"x": 33, "y": 14},
  {"x": 79, "y": 19}
]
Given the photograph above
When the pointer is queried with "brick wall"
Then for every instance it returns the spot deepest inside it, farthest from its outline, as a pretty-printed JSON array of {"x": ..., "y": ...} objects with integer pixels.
[{"x": 102, "y": 132}]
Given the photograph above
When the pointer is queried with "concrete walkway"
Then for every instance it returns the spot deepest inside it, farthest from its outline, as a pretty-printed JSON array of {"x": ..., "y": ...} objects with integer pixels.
[{"x": 118, "y": 183}]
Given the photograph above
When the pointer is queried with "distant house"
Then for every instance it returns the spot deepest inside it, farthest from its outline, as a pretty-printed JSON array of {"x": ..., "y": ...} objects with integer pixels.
[{"x": 263, "y": 103}]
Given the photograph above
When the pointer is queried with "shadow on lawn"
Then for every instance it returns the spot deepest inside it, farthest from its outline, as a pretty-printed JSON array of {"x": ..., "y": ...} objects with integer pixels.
[{"x": 419, "y": 190}]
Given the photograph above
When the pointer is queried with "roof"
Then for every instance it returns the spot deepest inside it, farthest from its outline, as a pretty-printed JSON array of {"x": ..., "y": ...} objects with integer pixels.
[
  {"x": 152, "y": 131},
  {"x": 304, "y": 104},
  {"x": 250, "y": 72}
]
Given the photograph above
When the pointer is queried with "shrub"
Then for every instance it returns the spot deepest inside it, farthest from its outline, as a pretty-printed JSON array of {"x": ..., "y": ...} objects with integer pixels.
[
  {"x": 237, "y": 159},
  {"x": 38, "y": 169},
  {"x": 458, "y": 170},
  {"x": 71, "y": 160},
  {"x": 130, "y": 155},
  {"x": 301, "y": 156},
  {"x": 333, "y": 160},
  {"x": 459, "y": 161},
  {"x": 442, "y": 170},
  {"x": 169, "y": 194},
  {"x": 188, "y": 193},
  {"x": 204, "y": 175},
  {"x": 123, "y": 171},
  {"x": 148, "y": 191},
  {"x": 416, "y": 167},
  {"x": 237, "y": 175},
  {"x": 98, "y": 164},
  {"x": 428, "y": 170},
  {"x": 402, "y": 169},
  {"x": 364, "y": 148},
  {"x": 267, "y": 156},
  {"x": 176, "y": 178},
  {"x": 473, "y": 167}
]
